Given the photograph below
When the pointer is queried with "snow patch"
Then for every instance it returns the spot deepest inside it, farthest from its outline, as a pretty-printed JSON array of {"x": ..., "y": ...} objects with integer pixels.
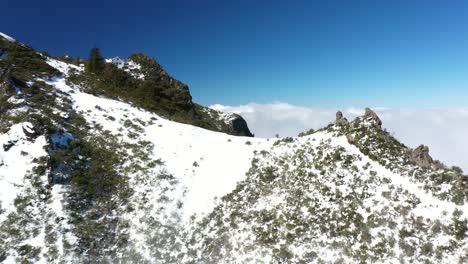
[
  {"x": 17, "y": 155},
  {"x": 63, "y": 67},
  {"x": 117, "y": 61}
]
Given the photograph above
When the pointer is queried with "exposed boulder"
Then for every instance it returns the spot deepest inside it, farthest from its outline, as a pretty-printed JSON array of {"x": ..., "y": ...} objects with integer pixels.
[
  {"x": 230, "y": 123},
  {"x": 238, "y": 127},
  {"x": 438, "y": 165},
  {"x": 7, "y": 146},
  {"x": 373, "y": 117},
  {"x": 30, "y": 131},
  {"x": 421, "y": 157},
  {"x": 340, "y": 119}
]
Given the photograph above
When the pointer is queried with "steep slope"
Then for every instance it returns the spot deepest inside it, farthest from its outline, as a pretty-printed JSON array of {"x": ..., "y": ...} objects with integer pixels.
[
  {"x": 91, "y": 175},
  {"x": 84, "y": 177},
  {"x": 319, "y": 198},
  {"x": 141, "y": 81}
]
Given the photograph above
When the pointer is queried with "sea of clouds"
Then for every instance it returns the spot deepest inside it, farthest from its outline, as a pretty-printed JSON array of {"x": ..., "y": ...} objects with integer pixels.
[{"x": 444, "y": 130}]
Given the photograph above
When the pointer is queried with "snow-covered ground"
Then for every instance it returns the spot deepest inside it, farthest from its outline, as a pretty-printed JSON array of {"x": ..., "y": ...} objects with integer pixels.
[
  {"x": 209, "y": 164},
  {"x": 17, "y": 153}
]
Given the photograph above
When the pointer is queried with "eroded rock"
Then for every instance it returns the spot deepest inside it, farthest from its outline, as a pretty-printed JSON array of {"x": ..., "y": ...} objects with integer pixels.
[
  {"x": 373, "y": 117},
  {"x": 421, "y": 157},
  {"x": 238, "y": 127},
  {"x": 340, "y": 119}
]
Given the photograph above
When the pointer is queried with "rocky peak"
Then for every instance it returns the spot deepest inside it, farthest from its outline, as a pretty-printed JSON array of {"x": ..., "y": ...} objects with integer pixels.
[
  {"x": 370, "y": 115},
  {"x": 421, "y": 157},
  {"x": 340, "y": 119}
]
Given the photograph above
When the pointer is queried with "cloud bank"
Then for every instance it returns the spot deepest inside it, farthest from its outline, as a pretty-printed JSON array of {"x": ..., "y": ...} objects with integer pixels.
[{"x": 444, "y": 130}]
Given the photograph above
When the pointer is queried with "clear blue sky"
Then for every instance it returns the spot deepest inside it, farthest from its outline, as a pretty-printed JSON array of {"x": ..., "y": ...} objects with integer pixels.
[{"x": 312, "y": 53}]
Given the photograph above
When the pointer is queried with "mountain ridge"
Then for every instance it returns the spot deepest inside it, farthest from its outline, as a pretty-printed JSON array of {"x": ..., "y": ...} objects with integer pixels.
[
  {"x": 157, "y": 91},
  {"x": 86, "y": 176}
]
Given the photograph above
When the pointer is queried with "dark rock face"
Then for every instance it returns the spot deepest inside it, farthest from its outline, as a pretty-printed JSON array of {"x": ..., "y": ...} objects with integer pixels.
[
  {"x": 238, "y": 127},
  {"x": 229, "y": 123},
  {"x": 372, "y": 116},
  {"x": 340, "y": 119},
  {"x": 421, "y": 157}
]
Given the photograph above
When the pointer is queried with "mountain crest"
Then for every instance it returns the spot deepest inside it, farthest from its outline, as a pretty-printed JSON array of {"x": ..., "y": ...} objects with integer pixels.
[
  {"x": 139, "y": 80},
  {"x": 371, "y": 116}
]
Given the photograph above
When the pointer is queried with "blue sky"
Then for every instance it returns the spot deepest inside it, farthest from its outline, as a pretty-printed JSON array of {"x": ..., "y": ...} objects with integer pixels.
[{"x": 311, "y": 53}]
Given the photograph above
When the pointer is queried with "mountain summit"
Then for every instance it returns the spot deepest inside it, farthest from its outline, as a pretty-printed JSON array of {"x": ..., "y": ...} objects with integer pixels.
[{"x": 110, "y": 161}]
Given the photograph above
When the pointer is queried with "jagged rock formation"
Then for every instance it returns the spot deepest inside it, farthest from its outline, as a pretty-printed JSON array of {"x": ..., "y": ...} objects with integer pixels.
[
  {"x": 421, "y": 156},
  {"x": 373, "y": 117},
  {"x": 340, "y": 119},
  {"x": 230, "y": 123},
  {"x": 238, "y": 127}
]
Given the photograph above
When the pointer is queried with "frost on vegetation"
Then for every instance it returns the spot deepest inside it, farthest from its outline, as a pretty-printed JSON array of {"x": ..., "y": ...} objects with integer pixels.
[
  {"x": 128, "y": 66},
  {"x": 322, "y": 200}
]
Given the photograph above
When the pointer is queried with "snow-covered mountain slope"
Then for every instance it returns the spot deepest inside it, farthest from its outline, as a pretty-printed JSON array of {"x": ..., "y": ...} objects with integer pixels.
[
  {"x": 319, "y": 199},
  {"x": 89, "y": 179},
  {"x": 196, "y": 156},
  {"x": 16, "y": 159},
  {"x": 174, "y": 172}
]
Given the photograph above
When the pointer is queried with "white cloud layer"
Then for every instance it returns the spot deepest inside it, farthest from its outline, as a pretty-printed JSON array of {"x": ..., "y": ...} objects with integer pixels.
[{"x": 444, "y": 130}]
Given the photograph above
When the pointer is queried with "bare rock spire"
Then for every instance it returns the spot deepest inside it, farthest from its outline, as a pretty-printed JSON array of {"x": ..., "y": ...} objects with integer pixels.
[
  {"x": 372, "y": 116},
  {"x": 421, "y": 157},
  {"x": 340, "y": 119}
]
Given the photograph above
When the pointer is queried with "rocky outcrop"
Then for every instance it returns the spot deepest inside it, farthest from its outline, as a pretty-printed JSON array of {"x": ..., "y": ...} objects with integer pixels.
[
  {"x": 8, "y": 145},
  {"x": 238, "y": 127},
  {"x": 373, "y": 117},
  {"x": 421, "y": 157},
  {"x": 229, "y": 123},
  {"x": 340, "y": 119},
  {"x": 174, "y": 98}
]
